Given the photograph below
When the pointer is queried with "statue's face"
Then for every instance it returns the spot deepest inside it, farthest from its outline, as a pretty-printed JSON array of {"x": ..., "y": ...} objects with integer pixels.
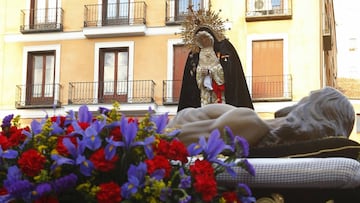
[{"x": 204, "y": 39}]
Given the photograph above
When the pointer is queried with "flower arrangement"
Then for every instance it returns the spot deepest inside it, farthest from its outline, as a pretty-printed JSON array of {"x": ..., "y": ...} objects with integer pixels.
[{"x": 111, "y": 158}]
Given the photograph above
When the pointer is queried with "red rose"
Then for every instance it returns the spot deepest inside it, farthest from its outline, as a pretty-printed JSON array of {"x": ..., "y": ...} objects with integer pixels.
[
  {"x": 231, "y": 197},
  {"x": 158, "y": 162},
  {"x": 31, "y": 162},
  {"x": 100, "y": 163},
  {"x": 109, "y": 193},
  {"x": 178, "y": 151},
  {"x": 60, "y": 147}
]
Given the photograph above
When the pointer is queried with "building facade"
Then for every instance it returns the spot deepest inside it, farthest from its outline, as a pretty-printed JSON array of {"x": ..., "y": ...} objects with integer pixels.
[{"x": 56, "y": 55}]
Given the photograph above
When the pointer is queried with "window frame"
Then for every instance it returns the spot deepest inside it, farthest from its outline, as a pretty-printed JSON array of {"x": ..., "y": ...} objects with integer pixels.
[
  {"x": 103, "y": 45},
  {"x": 56, "y": 48}
]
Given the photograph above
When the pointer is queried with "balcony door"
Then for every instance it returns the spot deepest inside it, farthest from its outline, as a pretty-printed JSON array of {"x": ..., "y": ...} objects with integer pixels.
[
  {"x": 43, "y": 14},
  {"x": 116, "y": 12},
  {"x": 113, "y": 75},
  {"x": 180, "y": 55},
  {"x": 181, "y": 7},
  {"x": 267, "y": 69},
  {"x": 40, "y": 85}
]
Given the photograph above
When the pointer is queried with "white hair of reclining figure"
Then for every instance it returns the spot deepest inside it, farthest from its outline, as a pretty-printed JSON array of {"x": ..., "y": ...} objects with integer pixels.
[{"x": 324, "y": 113}]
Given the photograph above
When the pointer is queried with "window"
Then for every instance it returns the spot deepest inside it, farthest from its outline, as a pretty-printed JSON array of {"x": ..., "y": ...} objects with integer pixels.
[
  {"x": 43, "y": 14},
  {"x": 40, "y": 84},
  {"x": 113, "y": 74},
  {"x": 178, "y": 9},
  {"x": 116, "y": 12},
  {"x": 268, "y": 9}
]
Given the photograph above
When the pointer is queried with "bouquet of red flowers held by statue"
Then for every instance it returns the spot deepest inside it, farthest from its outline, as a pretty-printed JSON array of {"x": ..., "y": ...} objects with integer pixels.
[{"x": 111, "y": 158}]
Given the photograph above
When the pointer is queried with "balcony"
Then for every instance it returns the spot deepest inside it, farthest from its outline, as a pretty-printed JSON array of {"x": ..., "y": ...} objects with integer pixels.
[
  {"x": 171, "y": 91},
  {"x": 137, "y": 91},
  {"x": 261, "y": 10},
  {"x": 41, "y": 20},
  {"x": 119, "y": 19},
  {"x": 37, "y": 96},
  {"x": 262, "y": 88},
  {"x": 176, "y": 11},
  {"x": 270, "y": 88}
]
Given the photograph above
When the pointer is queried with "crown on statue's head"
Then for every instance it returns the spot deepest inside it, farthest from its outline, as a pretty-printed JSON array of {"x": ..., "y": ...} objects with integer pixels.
[{"x": 197, "y": 20}]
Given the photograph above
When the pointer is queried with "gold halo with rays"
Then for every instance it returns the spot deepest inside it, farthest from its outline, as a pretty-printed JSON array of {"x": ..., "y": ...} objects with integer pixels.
[{"x": 199, "y": 19}]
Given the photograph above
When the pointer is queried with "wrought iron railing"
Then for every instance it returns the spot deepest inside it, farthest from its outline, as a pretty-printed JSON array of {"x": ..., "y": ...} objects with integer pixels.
[
  {"x": 41, "y": 20},
  {"x": 261, "y": 88},
  {"x": 270, "y": 88},
  {"x": 268, "y": 9},
  {"x": 177, "y": 10},
  {"x": 98, "y": 15},
  {"x": 137, "y": 91},
  {"x": 171, "y": 91},
  {"x": 37, "y": 95}
]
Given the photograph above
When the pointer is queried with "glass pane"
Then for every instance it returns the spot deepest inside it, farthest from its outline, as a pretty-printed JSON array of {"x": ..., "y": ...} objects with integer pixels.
[
  {"x": 122, "y": 72},
  {"x": 37, "y": 76},
  {"x": 183, "y": 6},
  {"x": 49, "y": 76},
  {"x": 109, "y": 70},
  {"x": 124, "y": 8},
  {"x": 112, "y": 9},
  {"x": 196, "y": 4},
  {"x": 40, "y": 11}
]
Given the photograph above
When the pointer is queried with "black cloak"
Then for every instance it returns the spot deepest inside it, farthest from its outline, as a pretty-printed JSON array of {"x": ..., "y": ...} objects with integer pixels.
[{"x": 236, "y": 89}]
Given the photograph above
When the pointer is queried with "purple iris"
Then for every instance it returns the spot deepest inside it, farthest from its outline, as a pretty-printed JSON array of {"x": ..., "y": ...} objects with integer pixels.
[
  {"x": 160, "y": 122},
  {"x": 7, "y": 121},
  {"x": 110, "y": 148},
  {"x": 136, "y": 179},
  {"x": 43, "y": 189},
  {"x": 211, "y": 150},
  {"x": 185, "y": 180},
  {"x": 91, "y": 134},
  {"x": 85, "y": 116},
  {"x": 86, "y": 166},
  {"x": 8, "y": 154},
  {"x": 237, "y": 143},
  {"x": 129, "y": 131}
]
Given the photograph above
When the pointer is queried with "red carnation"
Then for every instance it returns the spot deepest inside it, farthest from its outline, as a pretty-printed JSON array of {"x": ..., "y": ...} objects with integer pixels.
[
  {"x": 178, "y": 151},
  {"x": 162, "y": 147},
  {"x": 82, "y": 125},
  {"x": 62, "y": 120},
  {"x": 60, "y": 147},
  {"x": 206, "y": 186},
  {"x": 109, "y": 193},
  {"x": 116, "y": 133},
  {"x": 47, "y": 199},
  {"x": 16, "y": 136},
  {"x": 202, "y": 167},
  {"x": 100, "y": 163},
  {"x": 158, "y": 162},
  {"x": 31, "y": 162},
  {"x": 231, "y": 197},
  {"x": 4, "y": 142},
  {"x": 204, "y": 177},
  {"x": 3, "y": 191}
]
